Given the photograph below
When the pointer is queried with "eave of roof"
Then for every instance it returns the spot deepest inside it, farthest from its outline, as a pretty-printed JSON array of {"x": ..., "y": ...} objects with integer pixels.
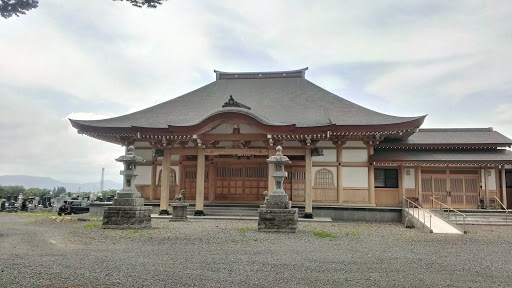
[
  {"x": 451, "y": 138},
  {"x": 500, "y": 156}
]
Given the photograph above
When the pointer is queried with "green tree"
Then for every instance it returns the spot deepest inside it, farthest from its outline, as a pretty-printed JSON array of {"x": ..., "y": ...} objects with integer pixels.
[
  {"x": 10, "y": 190},
  {"x": 33, "y": 192},
  {"x": 59, "y": 191},
  {"x": 9, "y": 8},
  {"x": 106, "y": 193}
]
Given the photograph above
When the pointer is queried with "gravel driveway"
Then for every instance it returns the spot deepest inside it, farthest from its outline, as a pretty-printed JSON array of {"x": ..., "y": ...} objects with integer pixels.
[{"x": 36, "y": 251}]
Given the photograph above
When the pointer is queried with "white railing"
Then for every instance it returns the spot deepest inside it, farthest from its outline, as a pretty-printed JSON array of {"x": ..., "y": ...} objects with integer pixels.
[
  {"x": 506, "y": 210},
  {"x": 443, "y": 207},
  {"x": 417, "y": 211}
]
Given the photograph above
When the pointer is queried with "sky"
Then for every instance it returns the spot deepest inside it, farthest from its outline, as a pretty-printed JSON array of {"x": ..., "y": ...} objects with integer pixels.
[{"x": 97, "y": 59}]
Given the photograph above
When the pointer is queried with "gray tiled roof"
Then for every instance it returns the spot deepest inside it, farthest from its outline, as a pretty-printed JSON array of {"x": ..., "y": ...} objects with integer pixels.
[
  {"x": 452, "y": 136},
  {"x": 454, "y": 156},
  {"x": 279, "y": 100}
]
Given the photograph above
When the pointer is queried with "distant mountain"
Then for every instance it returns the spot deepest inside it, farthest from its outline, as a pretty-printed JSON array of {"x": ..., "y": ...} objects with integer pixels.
[{"x": 49, "y": 183}]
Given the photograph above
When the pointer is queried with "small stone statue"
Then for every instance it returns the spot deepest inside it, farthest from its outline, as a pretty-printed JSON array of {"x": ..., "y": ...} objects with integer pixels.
[
  {"x": 180, "y": 197},
  {"x": 266, "y": 197}
]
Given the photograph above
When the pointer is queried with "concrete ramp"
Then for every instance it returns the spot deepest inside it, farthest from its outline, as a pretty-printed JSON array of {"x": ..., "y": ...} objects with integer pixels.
[{"x": 425, "y": 219}]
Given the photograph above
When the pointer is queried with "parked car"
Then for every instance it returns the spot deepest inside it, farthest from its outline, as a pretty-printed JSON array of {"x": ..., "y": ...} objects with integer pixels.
[{"x": 73, "y": 207}]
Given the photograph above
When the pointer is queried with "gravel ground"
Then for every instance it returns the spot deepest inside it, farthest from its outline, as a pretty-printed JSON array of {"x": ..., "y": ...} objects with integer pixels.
[{"x": 36, "y": 251}]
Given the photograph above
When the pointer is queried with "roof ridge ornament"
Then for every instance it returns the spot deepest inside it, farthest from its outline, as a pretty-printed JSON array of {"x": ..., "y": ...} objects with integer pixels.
[{"x": 233, "y": 103}]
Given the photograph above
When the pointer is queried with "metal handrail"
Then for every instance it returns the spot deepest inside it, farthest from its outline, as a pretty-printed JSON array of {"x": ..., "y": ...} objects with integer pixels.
[
  {"x": 454, "y": 210},
  {"x": 409, "y": 202},
  {"x": 506, "y": 210}
]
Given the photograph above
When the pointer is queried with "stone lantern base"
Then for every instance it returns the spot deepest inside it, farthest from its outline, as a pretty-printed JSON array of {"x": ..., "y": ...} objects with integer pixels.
[
  {"x": 278, "y": 220},
  {"x": 277, "y": 215},
  {"x": 128, "y": 212}
]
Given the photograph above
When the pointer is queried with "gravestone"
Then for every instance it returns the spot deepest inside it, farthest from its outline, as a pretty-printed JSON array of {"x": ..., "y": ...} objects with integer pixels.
[
  {"x": 128, "y": 210},
  {"x": 2, "y": 205},
  {"x": 276, "y": 215}
]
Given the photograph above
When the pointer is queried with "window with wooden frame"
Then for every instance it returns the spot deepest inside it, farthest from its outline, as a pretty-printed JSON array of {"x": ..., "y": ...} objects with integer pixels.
[
  {"x": 386, "y": 178},
  {"x": 324, "y": 178},
  {"x": 172, "y": 178}
]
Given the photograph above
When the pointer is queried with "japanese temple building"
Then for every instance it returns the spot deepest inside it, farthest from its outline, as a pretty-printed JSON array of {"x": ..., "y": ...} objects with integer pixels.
[{"x": 213, "y": 142}]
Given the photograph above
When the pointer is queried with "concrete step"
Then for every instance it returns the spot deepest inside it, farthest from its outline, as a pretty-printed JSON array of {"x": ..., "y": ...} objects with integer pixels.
[
  {"x": 234, "y": 211},
  {"x": 483, "y": 219}
]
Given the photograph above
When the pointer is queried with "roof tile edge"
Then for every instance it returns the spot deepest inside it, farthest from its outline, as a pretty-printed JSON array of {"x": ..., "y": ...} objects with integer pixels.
[{"x": 299, "y": 73}]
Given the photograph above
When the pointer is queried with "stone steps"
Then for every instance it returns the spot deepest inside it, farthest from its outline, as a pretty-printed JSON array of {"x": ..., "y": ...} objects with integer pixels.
[
  {"x": 235, "y": 211},
  {"x": 486, "y": 218}
]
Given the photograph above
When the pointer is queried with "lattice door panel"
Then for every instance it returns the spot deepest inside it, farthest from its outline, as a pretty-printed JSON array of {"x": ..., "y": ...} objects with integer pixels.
[
  {"x": 426, "y": 191},
  {"x": 229, "y": 184},
  {"x": 190, "y": 183},
  {"x": 457, "y": 192},
  {"x": 471, "y": 191},
  {"x": 298, "y": 181},
  {"x": 256, "y": 182},
  {"x": 440, "y": 190}
]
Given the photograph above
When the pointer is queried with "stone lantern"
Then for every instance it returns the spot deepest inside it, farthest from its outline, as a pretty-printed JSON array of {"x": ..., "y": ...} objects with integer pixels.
[
  {"x": 277, "y": 215},
  {"x": 128, "y": 210}
]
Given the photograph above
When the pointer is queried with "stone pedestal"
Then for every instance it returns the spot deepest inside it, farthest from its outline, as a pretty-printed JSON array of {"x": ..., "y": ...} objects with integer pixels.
[
  {"x": 125, "y": 217},
  {"x": 179, "y": 211},
  {"x": 127, "y": 212},
  {"x": 278, "y": 220}
]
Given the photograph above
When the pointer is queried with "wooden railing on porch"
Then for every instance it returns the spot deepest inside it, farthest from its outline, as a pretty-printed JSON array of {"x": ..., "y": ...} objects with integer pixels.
[
  {"x": 407, "y": 205},
  {"x": 506, "y": 210},
  {"x": 443, "y": 207}
]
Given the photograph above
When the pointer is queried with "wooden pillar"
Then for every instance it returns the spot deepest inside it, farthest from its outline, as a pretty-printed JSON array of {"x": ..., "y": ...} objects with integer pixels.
[
  {"x": 271, "y": 184},
  {"x": 503, "y": 186},
  {"x": 164, "y": 182},
  {"x": 371, "y": 184},
  {"x": 309, "y": 185},
  {"x": 486, "y": 183},
  {"x": 200, "y": 183},
  {"x": 417, "y": 183},
  {"x": 211, "y": 182},
  {"x": 153, "y": 180},
  {"x": 340, "y": 175},
  {"x": 401, "y": 170}
]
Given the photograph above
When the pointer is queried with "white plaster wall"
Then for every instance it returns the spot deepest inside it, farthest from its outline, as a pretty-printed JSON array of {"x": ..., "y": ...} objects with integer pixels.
[
  {"x": 291, "y": 143},
  {"x": 227, "y": 128},
  {"x": 355, "y": 177},
  {"x": 257, "y": 144},
  {"x": 141, "y": 144},
  {"x": 146, "y": 154},
  {"x": 175, "y": 157},
  {"x": 508, "y": 166},
  {"x": 354, "y": 144},
  {"x": 491, "y": 180},
  {"x": 143, "y": 175},
  {"x": 354, "y": 155},
  {"x": 409, "y": 179},
  {"x": 332, "y": 169},
  {"x": 325, "y": 144},
  {"x": 329, "y": 156}
]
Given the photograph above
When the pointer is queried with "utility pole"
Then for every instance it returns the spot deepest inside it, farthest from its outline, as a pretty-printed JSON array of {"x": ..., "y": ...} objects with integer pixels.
[{"x": 102, "y": 179}]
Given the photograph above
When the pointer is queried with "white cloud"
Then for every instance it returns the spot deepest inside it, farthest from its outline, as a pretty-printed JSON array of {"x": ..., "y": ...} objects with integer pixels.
[{"x": 102, "y": 51}]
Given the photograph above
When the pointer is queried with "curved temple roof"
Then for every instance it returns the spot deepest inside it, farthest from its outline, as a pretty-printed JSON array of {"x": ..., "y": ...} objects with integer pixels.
[{"x": 281, "y": 98}]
